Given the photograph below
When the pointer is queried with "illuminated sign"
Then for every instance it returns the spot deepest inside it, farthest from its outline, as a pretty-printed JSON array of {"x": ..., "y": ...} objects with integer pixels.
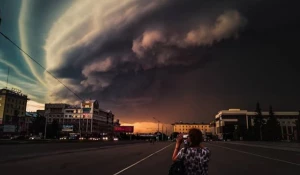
[
  {"x": 123, "y": 129},
  {"x": 67, "y": 128}
]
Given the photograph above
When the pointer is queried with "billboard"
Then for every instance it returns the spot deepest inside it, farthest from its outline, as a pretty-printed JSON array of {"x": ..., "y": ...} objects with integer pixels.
[
  {"x": 67, "y": 128},
  {"x": 123, "y": 128},
  {"x": 9, "y": 128}
]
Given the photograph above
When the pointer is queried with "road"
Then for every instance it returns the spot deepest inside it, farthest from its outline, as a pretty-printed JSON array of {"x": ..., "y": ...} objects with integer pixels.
[
  {"x": 147, "y": 159},
  {"x": 15, "y": 151}
]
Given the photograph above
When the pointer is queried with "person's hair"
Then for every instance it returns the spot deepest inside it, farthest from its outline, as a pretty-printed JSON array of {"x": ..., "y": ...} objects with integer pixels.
[{"x": 195, "y": 137}]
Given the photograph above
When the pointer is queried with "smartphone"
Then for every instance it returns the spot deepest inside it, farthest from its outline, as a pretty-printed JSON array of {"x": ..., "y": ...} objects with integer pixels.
[{"x": 185, "y": 136}]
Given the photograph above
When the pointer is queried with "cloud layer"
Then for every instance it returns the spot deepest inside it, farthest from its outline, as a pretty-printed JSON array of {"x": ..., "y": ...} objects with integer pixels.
[{"x": 118, "y": 51}]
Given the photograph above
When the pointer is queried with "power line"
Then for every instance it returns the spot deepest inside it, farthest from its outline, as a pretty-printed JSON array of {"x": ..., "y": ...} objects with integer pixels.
[{"x": 6, "y": 37}]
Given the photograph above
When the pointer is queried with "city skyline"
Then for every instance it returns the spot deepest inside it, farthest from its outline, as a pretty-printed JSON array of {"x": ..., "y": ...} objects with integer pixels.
[{"x": 140, "y": 61}]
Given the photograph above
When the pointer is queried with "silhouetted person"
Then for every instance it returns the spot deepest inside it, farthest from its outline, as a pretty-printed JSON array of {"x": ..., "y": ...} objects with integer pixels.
[{"x": 196, "y": 156}]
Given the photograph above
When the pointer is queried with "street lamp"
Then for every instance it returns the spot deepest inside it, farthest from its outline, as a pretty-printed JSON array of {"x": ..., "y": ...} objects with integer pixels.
[
  {"x": 157, "y": 125},
  {"x": 46, "y": 117}
]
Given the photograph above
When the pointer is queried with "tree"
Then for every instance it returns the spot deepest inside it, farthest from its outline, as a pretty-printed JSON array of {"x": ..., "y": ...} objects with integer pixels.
[
  {"x": 273, "y": 130},
  {"x": 55, "y": 128},
  {"x": 38, "y": 124},
  {"x": 174, "y": 135},
  {"x": 259, "y": 122}
]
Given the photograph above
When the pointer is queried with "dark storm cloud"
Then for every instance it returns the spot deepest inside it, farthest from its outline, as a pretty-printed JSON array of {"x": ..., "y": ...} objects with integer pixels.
[{"x": 141, "y": 60}]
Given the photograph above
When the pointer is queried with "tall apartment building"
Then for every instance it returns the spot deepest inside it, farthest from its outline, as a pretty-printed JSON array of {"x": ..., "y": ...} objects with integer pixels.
[{"x": 13, "y": 109}]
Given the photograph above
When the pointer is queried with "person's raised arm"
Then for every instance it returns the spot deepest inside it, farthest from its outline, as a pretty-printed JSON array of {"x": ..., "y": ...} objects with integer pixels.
[{"x": 177, "y": 146}]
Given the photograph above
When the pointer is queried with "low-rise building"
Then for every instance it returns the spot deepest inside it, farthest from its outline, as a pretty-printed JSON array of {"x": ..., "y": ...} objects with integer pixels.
[
  {"x": 181, "y": 127},
  {"x": 228, "y": 121}
]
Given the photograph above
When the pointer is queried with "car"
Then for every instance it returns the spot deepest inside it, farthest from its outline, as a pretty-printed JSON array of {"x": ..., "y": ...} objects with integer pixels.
[
  {"x": 63, "y": 138},
  {"x": 82, "y": 138},
  {"x": 18, "y": 137},
  {"x": 116, "y": 138},
  {"x": 105, "y": 138},
  {"x": 94, "y": 138},
  {"x": 35, "y": 138}
]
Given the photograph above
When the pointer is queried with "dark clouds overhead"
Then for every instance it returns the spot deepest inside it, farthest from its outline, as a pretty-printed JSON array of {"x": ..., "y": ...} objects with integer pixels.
[{"x": 173, "y": 59}]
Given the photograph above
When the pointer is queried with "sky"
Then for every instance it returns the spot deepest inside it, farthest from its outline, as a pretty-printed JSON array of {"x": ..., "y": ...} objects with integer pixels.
[{"x": 172, "y": 60}]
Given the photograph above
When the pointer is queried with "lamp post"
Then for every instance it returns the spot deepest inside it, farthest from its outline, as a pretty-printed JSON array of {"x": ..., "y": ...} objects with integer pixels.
[
  {"x": 157, "y": 125},
  {"x": 80, "y": 113},
  {"x": 46, "y": 120},
  {"x": 162, "y": 132}
]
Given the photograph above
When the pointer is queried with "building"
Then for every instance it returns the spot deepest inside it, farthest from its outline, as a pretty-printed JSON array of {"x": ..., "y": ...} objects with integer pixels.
[
  {"x": 212, "y": 128},
  {"x": 86, "y": 119},
  {"x": 13, "y": 109},
  {"x": 117, "y": 122},
  {"x": 54, "y": 111},
  {"x": 99, "y": 120},
  {"x": 181, "y": 127},
  {"x": 229, "y": 121}
]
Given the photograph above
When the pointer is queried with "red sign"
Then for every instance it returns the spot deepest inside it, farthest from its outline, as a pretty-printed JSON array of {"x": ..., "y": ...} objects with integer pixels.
[{"x": 123, "y": 129}]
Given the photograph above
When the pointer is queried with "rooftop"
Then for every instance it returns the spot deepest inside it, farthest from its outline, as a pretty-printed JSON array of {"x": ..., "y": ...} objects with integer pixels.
[
  {"x": 185, "y": 123},
  {"x": 14, "y": 92}
]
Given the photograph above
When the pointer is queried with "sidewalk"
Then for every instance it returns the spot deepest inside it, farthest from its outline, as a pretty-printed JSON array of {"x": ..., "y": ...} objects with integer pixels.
[{"x": 287, "y": 146}]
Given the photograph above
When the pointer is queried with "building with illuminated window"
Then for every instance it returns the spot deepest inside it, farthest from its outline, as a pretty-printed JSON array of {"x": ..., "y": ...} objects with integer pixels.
[
  {"x": 87, "y": 119},
  {"x": 181, "y": 127},
  {"x": 13, "y": 110}
]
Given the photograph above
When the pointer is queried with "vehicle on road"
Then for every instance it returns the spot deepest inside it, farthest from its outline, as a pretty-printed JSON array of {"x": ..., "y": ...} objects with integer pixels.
[
  {"x": 82, "y": 138},
  {"x": 63, "y": 138},
  {"x": 94, "y": 138},
  {"x": 35, "y": 138},
  {"x": 19, "y": 137}
]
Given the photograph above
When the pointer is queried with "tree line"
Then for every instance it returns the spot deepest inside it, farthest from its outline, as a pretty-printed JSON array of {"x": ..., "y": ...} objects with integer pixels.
[
  {"x": 38, "y": 126},
  {"x": 270, "y": 129}
]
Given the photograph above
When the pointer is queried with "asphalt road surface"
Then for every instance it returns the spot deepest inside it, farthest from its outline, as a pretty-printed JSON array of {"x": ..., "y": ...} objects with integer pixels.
[
  {"x": 146, "y": 159},
  {"x": 15, "y": 151}
]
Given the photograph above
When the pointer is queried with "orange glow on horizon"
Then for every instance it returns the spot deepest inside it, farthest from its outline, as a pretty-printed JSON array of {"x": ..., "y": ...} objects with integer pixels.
[{"x": 149, "y": 127}]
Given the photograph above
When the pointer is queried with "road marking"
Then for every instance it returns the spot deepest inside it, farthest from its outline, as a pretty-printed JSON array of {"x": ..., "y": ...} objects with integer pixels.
[
  {"x": 143, "y": 159},
  {"x": 296, "y": 149},
  {"x": 257, "y": 155}
]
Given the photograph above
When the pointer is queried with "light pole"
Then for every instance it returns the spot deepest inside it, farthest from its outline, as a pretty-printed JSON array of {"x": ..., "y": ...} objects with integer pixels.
[
  {"x": 157, "y": 125},
  {"x": 46, "y": 120},
  {"x": 162, "y": 132},
  {"x": 80, "y": 113}
]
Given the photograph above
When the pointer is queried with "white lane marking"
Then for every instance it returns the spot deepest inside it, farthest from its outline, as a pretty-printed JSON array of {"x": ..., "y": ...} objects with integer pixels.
[
  {"x": 266, "y": 146},
  {"x": 257, "y": 155},
  {"x": 142, "y": 159}
]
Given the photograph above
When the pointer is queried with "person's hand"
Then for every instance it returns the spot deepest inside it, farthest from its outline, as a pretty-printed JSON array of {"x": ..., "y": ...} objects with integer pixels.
[{"x": 179, "y": 139}]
